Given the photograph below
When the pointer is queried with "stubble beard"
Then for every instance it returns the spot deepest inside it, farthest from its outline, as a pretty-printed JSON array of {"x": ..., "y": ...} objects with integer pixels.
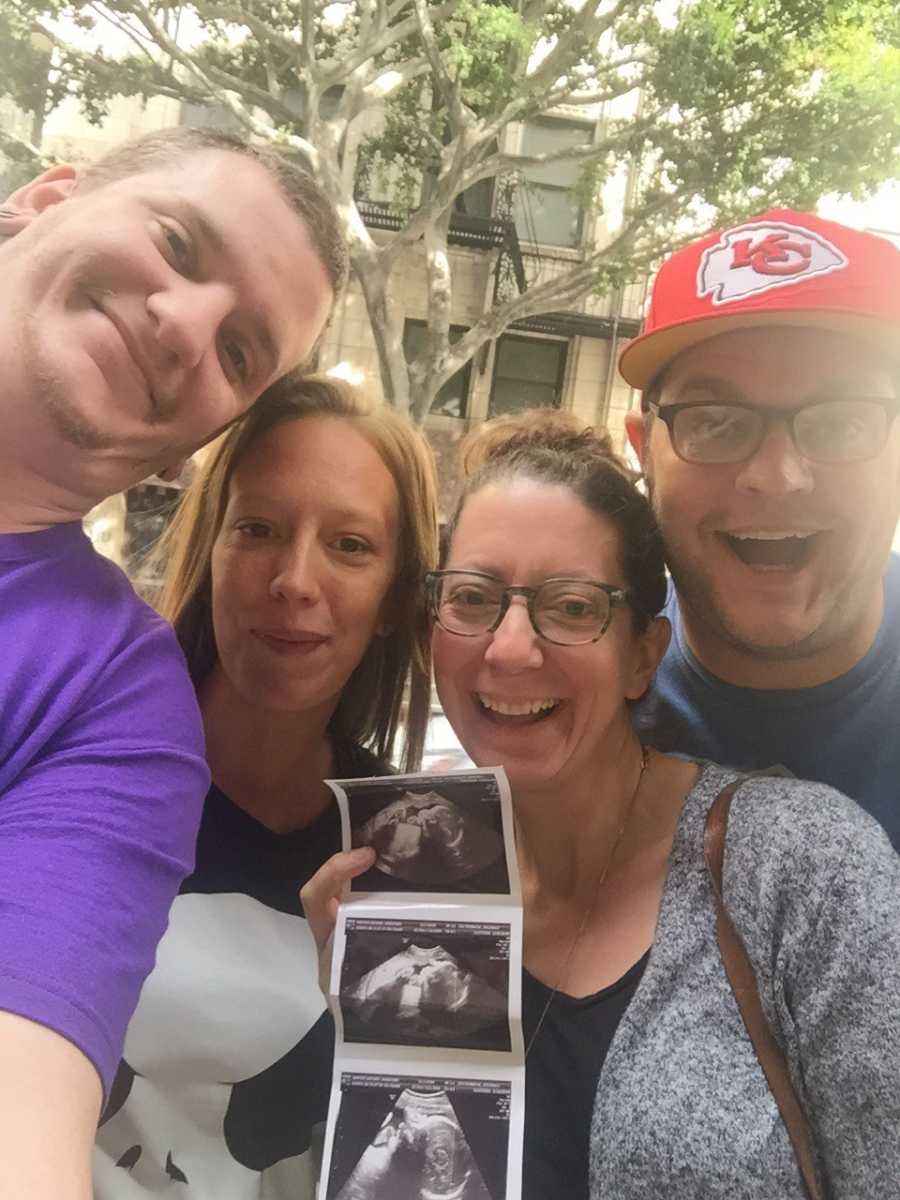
[
  {"x": 54, "y": 398},
  {"x": 696, "y": 592}
]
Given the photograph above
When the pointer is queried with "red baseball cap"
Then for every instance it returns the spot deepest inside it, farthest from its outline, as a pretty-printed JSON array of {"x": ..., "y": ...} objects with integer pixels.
[{"x": 780, "y": 268}]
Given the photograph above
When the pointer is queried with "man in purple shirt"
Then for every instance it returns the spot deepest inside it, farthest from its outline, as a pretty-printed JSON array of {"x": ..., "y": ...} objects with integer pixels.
[{"x": 147, "y": 303}]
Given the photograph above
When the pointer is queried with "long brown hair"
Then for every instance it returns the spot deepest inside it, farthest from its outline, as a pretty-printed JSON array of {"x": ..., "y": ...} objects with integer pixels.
[{"x": 371, "y": 703}]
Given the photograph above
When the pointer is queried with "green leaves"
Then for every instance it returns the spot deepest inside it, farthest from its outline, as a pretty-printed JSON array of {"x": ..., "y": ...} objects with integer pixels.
[
  {"x": 750, "y": 97},
  {"x": 770, "y": 100}
]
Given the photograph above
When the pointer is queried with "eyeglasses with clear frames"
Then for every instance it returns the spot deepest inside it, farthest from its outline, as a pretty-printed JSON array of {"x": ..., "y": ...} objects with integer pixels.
[
  {"x": 829, "y": 431},
  {"x": 566, "y": 612}
]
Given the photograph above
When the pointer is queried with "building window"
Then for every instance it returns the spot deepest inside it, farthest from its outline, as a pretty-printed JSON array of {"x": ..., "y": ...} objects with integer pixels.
[
  {"x": 452, "y": 399},
  {"x": 546, "y": 209},
  {"x": 477, "y": 200},
  {"x": 528, "y": 373}
]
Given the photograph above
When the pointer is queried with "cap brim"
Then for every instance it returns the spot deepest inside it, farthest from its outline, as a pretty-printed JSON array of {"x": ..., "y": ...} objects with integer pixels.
[{"x": 644, "y": 357}]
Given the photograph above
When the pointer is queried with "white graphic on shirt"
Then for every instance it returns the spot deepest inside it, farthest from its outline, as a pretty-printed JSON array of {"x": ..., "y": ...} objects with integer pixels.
[
  {"x": 234, "y": 989},
  {"x": 763, "y": 255}
]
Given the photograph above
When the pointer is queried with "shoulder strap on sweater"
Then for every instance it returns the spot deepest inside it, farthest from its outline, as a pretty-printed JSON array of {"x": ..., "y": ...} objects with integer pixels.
[{"x": 739, "y": 970}]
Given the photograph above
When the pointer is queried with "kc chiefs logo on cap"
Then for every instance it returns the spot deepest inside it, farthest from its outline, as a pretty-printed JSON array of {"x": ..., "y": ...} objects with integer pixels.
[{"x": 763, "y": 255}]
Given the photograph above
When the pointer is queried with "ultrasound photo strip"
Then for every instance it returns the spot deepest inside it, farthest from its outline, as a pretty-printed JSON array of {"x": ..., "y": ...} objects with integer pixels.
[
  {"x": 448, "y": 834},
  {"x": 428, "y": 1091}
]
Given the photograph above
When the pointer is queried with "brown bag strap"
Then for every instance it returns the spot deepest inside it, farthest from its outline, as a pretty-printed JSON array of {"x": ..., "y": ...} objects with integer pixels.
[{"x": 740, "y": 974}]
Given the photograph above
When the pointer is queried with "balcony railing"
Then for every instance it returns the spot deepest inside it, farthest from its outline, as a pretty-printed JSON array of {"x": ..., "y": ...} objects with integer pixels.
[
  {"x": 576, "y": 324},
  {"x": 475, "y": 233},
  {"x": 499, "y": 233}
]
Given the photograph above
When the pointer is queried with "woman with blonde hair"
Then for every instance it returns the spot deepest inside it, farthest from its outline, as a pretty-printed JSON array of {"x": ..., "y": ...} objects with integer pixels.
[{"x": 292, "y": 580}]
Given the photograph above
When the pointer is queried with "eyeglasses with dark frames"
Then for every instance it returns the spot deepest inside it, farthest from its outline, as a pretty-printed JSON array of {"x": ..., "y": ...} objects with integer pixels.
[
  {"x": 566, "y": 612},
  {"x": 835, "y": 431}
]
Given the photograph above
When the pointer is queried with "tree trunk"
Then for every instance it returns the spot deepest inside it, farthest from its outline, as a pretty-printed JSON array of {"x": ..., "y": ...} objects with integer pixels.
[{"x": 387, "y": 332}]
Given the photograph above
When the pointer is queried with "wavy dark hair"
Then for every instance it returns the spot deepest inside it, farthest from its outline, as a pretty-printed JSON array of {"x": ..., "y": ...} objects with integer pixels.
[{"x": 557, "y": 448}]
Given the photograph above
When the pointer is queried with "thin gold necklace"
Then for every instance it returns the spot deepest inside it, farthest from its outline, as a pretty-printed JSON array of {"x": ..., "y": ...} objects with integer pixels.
[{"x": 563, "y": 976}]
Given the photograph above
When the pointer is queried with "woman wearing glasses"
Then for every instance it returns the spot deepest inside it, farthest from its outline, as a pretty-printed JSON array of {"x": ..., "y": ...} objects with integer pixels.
[{"x": 545, "y": 631}]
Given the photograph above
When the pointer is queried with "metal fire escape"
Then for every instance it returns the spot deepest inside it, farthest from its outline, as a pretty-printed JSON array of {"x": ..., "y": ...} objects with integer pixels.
[{"x": 499, "y": 232}]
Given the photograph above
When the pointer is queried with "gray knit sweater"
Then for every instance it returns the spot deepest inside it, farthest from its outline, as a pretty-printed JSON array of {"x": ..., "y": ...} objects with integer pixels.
[{"x": 683, "y": 1111}]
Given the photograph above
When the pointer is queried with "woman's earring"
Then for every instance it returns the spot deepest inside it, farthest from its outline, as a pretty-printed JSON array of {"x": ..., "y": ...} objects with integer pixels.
[{"x": 384, "y": 630}]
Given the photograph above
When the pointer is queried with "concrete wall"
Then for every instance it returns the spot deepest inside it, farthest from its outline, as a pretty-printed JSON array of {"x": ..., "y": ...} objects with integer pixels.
[{"x": 70, "y": 136}]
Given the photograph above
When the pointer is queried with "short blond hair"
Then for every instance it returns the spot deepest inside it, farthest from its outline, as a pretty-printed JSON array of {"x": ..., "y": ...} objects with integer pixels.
[
  {"x": 295, "y": 181},
  {"x": 369, "y": 711}
]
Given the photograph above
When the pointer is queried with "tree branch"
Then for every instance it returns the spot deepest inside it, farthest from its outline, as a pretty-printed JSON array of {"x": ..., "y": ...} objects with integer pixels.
[
  {"x": 249, "y": 121},
  {"x": 440, "y": 283},
  {"x": 267, "y": 101},
  {"x": 583, "y": 99},
  {"x": 372, "y": 19},
  {"x": 557, "y": 61},
  {"x": 113, "y": 18},
  {"x": 307, "y": 43},
  {"x": 395, "y": 32},
  {"x": 587, "y": 152},
  {"x": 237, "y": 14},
  {"x": 394, "y": 10},
  {"x": 570, "y": 284},
  {"x": 19, "y": 149},
  {"x": 446, "y": 85},
  {"x": 542, "y": 81},
  {"x": 502, "y": 163},
  {"x": 378, "y": 87}
]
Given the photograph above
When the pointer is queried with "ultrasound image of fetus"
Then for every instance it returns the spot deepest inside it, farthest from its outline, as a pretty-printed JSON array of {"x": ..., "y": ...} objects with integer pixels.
[
  {"x": 424, "y": 993},
  {"x": 419, "y": 1153},
  {"x": 429, "y": 839}
]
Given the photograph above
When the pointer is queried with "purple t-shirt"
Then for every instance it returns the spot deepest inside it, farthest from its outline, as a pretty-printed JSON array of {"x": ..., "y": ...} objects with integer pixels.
[{"x": 102, "y": 780}]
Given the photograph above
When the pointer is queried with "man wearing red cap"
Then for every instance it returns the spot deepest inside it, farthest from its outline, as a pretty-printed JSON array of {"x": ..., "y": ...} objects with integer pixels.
[{"x": 770, "y": 368}]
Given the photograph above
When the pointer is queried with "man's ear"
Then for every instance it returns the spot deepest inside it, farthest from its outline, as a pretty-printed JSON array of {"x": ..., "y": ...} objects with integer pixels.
[
  {"x": 637, "y": 433},
  {"x": 30, "y": 200}
]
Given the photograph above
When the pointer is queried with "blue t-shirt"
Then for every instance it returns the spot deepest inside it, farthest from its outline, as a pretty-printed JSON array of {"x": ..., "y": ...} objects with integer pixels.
[{"x": 845, "y": 733}]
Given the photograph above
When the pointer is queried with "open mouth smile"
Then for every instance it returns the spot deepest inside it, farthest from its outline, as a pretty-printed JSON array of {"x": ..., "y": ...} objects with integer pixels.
[
  {"x": 774, "y": 549},
  {"x": 521, "y": 712}
]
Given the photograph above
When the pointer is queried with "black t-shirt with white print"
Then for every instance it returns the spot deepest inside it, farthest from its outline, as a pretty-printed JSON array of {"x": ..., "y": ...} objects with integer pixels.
[{"x": 225, "y": 1080}]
